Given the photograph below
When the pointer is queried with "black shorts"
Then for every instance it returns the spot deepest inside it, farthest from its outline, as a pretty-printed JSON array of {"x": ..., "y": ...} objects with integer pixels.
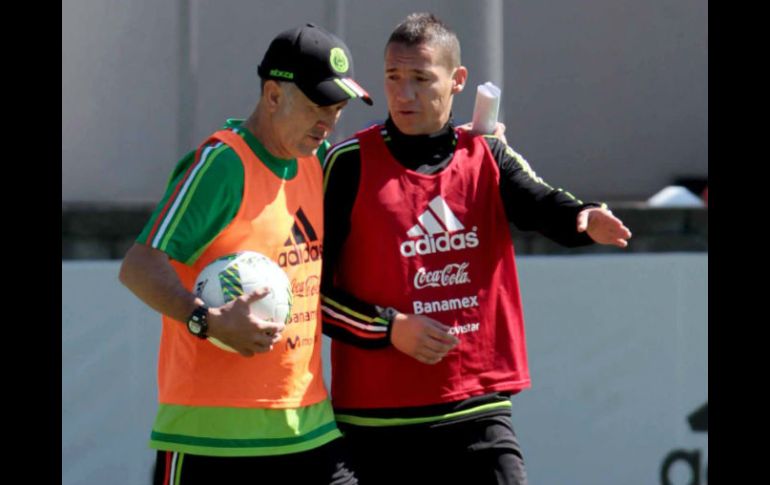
[
  {"x": 325, "y": 465},
  {"x": 483, "y": 451}
]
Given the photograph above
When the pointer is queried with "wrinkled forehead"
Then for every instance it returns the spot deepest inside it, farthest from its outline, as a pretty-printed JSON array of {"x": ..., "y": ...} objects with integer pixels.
[
  {"x": 298, "y": 101},
  {"x": 426, "y": 56}
]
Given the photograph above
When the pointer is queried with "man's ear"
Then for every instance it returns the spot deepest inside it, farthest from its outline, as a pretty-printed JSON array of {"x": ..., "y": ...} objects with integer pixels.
[
  {"x": 272, "y": 93},
  {"x": 459, "y": 78}
]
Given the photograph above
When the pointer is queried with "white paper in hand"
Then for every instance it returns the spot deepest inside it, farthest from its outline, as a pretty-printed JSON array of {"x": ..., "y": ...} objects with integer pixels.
[{"x": 486, "y": 108}]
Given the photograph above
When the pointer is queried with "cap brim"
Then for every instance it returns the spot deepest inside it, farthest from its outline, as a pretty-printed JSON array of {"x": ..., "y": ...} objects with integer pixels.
[{"x": 335, "y": 90}]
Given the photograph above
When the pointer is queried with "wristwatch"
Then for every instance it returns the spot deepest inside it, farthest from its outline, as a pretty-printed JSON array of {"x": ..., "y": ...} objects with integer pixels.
[
  {"x": 388, "y": 313},
  {"x": 197, "y": 324}
]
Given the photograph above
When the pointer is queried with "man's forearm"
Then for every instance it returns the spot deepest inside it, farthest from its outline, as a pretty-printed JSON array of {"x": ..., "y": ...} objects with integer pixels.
[
  {"x": 353, "y": 321},
  {"x": 148, "y": 273}
]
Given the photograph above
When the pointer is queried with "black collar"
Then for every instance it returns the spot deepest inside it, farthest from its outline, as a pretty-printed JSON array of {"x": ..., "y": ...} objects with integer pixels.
[{"x": 414, "y": 151}]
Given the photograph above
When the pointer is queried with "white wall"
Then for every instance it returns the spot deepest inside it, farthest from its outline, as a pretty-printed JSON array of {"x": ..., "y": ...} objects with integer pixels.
[
  {"x": 109, "y": 357},
  {"x": 618, "y": 349},
  {"x": 120, "y": 93},
  {"x": 607, "y": 98}
]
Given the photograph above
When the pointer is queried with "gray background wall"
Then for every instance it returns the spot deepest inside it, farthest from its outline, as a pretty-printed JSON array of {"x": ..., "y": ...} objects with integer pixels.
[
  {"x": 618, "y": 349},
  {"x": 607, "y": 98}
]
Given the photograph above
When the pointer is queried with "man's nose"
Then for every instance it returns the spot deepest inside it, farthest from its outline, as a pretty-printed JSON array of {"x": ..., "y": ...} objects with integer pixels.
[{"x": 405, "y": 91}]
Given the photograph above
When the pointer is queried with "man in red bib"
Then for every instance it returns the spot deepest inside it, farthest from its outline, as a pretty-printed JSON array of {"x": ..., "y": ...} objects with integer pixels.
[
  {"x": 420, "y": 291},
  {"x": 261, "y": 415}
]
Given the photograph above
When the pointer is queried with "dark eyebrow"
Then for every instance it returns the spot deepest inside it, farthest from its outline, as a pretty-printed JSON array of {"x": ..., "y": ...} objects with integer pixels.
[{"x": 416, "y": 71}]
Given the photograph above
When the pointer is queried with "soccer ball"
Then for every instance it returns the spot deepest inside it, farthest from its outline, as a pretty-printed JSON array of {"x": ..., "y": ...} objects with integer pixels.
[{"x": 231, "y": 276}]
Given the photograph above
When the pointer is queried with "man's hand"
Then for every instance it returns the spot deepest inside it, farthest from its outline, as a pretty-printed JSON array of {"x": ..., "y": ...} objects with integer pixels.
[
  {"x": 235, "y": 326},
  {"x": 603, "y": 227},
  {"x": 499, "y": 130},
  {"x": 421, "y": 337},
  {"x": 149, "y": 275}
]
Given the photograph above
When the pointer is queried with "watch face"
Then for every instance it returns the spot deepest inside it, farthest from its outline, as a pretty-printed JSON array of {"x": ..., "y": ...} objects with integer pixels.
[{"x": 194, "y": 327}]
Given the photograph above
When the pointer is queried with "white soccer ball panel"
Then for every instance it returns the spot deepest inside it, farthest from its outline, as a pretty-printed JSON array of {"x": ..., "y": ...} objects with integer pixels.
[{"x": 228, "y": 277}]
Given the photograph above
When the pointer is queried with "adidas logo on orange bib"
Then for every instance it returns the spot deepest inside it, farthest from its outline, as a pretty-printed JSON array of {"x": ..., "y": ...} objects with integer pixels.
[
  {"x": 303, "y": 241},
  {"x": 438, "y": 230}
]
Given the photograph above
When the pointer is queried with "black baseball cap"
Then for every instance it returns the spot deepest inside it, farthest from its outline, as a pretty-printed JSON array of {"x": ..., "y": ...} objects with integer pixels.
[{"x": 318, "y": 62}]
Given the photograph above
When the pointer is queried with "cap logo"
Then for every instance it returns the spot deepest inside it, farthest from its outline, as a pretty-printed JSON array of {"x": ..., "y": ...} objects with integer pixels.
[
  {"x": 339, "y": 60},
  {"x": 283, "y": 74}
]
